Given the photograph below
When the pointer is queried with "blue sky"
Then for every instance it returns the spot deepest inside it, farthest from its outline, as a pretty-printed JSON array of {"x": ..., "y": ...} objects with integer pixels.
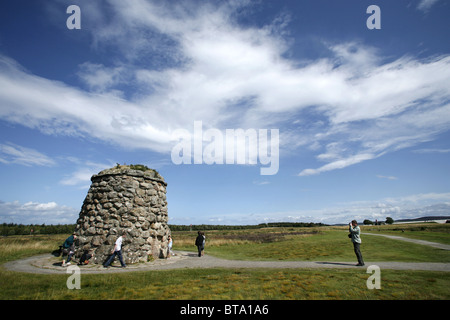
[{"x": 363, "y": 115}]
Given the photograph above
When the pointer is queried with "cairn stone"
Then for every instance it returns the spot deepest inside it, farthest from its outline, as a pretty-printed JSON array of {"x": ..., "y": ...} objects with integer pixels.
[{"x": 124, "y": 199}]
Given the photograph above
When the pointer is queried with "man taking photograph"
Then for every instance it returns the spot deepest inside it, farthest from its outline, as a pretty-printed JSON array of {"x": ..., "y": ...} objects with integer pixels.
[{"x": 356, "y": 239}]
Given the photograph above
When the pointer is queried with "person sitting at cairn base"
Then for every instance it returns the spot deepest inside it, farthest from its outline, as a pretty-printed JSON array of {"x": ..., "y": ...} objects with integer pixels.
[
  {"x": 68, "y": 248},
  {"x": 117, "y": 251},
  {"x": 87, "y": 255}
]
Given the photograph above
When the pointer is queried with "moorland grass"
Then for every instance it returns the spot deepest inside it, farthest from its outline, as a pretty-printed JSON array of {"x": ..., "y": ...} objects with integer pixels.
[
  {"x": 315, "y": 244},
  {"x": 16, "y": 247},
  {"x": 229, "y": 284},
  {"x": 322, "y": 244},
  {"x": 433, "y": 232}
]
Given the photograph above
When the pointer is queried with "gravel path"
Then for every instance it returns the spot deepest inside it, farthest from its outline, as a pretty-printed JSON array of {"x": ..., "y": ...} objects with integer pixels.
[
  {"x": 422, "y": 242},
  {"x": 48, "y": 264}
]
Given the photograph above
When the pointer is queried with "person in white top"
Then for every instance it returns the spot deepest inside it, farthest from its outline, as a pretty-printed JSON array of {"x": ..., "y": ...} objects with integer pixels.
[
  {"x": 169, "y": 248},
  {"x": 117, "y": 251}
]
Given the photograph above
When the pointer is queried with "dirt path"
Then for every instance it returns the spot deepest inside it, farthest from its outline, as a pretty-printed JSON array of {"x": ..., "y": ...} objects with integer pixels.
[{"x": 48, "y": 264}]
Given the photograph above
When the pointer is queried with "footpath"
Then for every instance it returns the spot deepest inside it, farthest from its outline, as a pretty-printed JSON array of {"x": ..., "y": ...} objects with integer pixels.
[
  {"x": 49, "y": 264},
  {"x": 422, "y": 242}
]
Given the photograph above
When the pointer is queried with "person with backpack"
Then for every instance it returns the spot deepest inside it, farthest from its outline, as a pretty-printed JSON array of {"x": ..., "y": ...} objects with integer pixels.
[
  {"x": 68, "y": 248},
  {"x": 200, "y": 243}
]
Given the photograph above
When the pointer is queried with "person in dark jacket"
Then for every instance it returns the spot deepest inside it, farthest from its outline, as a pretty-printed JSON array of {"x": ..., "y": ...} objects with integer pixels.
[
  {"x": 200, "y": 243},
  {"x": 68, "y": 248}
]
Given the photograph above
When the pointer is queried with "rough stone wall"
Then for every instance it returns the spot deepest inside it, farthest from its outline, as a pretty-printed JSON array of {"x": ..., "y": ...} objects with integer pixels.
[{"x": 122, "y": 199}]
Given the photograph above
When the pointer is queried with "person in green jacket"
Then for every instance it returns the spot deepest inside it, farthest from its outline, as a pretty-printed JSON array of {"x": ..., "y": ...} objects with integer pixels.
[
  {"x": 355, "y": 232},
  {"x": 68, "y": 248}
]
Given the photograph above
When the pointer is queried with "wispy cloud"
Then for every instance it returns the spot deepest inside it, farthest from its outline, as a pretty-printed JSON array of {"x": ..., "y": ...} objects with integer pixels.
[
  {"x": 431, "y": 150},
  {"x": 387, "y": 177},
  {"x": 13, "y": 153},
  {"x": 261, "y": 183},
  {"x": 338, "y": 164},
  {"x": 210, "y": 68},
  {"x": 425, "y": 5},
  {"x": 412, "y": 206},
  {"x": 99, "y": 78},
  {"x": 82, "y": 175}
]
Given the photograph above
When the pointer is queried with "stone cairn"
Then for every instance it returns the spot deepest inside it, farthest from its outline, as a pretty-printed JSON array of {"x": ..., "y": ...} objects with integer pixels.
[{"x": 124, "y": 198}]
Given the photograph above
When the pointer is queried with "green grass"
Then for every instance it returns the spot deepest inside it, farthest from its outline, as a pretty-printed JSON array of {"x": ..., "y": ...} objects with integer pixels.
[
  {"x": 439, "y": 233},
  {"x": 325, "y": 244},
  {"x": 259, "y": 284},
  {"x": 16, "y": 247}
]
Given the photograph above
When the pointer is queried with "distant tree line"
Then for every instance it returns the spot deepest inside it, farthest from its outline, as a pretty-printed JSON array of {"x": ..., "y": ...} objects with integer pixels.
[
  {"x": 10, "y": 229},
  {"x": 389, "y": 220},
  {"x": 203, "y": 227}
]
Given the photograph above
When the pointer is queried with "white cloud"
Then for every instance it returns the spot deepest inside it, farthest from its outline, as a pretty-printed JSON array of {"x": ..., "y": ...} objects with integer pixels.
[
  {"x": 56, "y": 108},
  {"x": 387, "y": 177},
  {"x": 425, "y": 5},
  {"x": 431, "y": 150},
  {"x": 13, "y": 153},
  {"x": 409, "y": 207},
  {"x": 423, "y": 198},
  {"x": 261, "y": 183},
  {"x": 36, "y": 213},
  {"x": 338, "y": 164},
  {"x": 99, "y": 78},
  {"x": 212, "y": 69},
  {"x": 82, "y": 175}
]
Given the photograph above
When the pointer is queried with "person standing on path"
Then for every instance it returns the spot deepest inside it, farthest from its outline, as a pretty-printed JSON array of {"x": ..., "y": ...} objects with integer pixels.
[
  {"x": 117, "y": 251},
  {"x": 169, "y": 248},
  {"x": 356, "y": 239},
  {"x": 200, "y": 243}
]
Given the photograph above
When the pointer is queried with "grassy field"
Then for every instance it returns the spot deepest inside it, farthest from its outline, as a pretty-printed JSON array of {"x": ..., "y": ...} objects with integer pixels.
[
  {"x": 322, "y": 244},
  {"x": 424, "y": 231}
]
